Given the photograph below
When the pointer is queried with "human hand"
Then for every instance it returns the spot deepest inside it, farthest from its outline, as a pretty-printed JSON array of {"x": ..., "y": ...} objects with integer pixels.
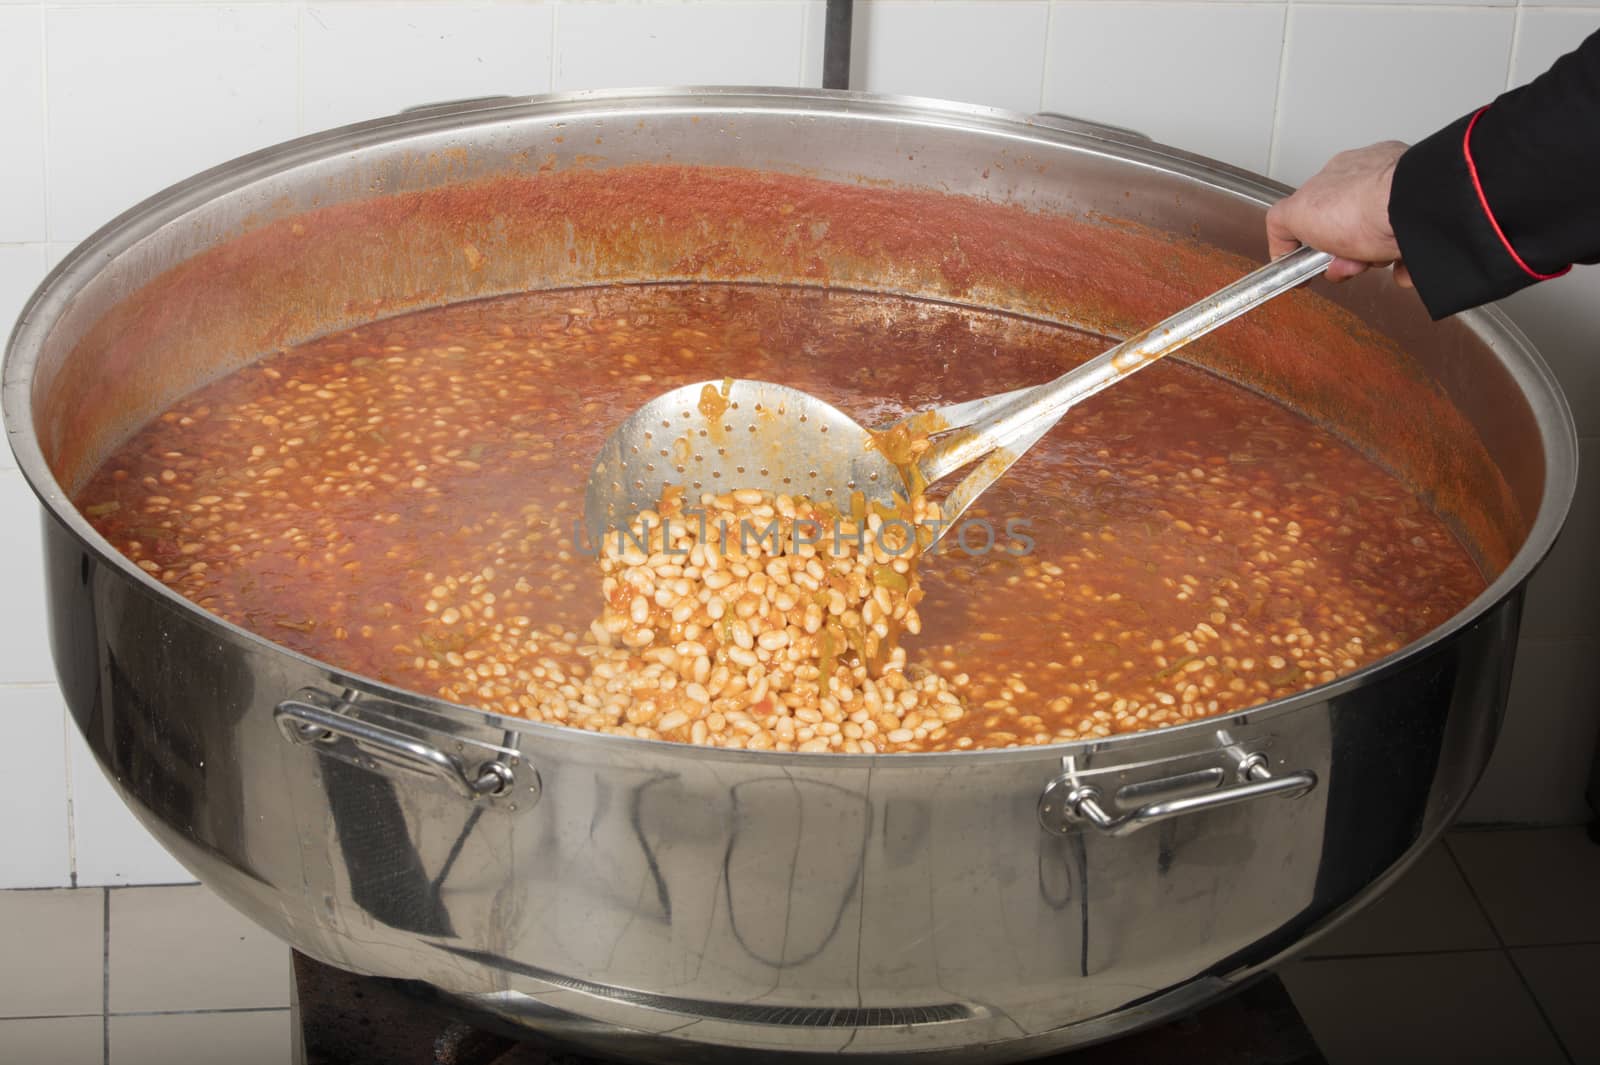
[{"x": 1343, "y": 209}]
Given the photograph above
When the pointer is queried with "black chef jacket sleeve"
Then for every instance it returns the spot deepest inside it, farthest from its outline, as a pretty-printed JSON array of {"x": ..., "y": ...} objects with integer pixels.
[{"x": 1507, "y": 195}]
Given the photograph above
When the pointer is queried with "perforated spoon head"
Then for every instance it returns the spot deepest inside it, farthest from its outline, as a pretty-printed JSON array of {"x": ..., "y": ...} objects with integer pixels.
[{"x": 718, "y": 436}]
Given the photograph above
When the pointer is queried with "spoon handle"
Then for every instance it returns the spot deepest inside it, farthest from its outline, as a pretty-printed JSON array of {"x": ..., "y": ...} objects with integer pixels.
[{"x": 1014, "y": 419}]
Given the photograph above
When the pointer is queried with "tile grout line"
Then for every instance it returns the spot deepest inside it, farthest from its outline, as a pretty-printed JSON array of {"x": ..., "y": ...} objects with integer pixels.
[
  {"x": 1385, "y": 5},
  {"x": 1469, "y": 4},
  {"x": 137, "y": 885},
  {"x": 1485, "y": 828},
  {"x": 105, "y": 979},
  {"x": 44, "y": 120},
  {"x": 1314, "y": 959},
  {"x": 1527, "y": 988},
  {"x": 300, "y": 69},
  {"x": 1273, "y": 144},
  {"x": 555, "y": 28},
  {"x": 555, "y": 43},
  {"x": 1543, "y": 1013},
  {"x": 67, "y": 725},
  {"x": 194, "y": 1013},
  {"x": 51, "y": 1017},
  {"x": 1449, "y": 950},
  {"x": 1044, "y": 67},
  {"x": 1516, "y": 39},
  {"x": 1425, "y": 5},
  {"x": 38, "y": 887},
  {"x": 802, "y": 59}
]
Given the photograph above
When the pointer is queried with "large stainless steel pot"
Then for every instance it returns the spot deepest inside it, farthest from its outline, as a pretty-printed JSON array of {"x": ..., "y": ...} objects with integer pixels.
[{"x": 678, "y": 903}]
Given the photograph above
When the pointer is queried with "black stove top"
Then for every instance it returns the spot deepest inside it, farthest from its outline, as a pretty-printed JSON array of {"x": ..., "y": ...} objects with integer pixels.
[{"x": 354, "y": 1020}]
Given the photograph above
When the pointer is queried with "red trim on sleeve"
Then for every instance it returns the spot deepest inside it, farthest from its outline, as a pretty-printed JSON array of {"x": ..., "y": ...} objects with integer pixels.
[{"x": 1483, "y": 201}]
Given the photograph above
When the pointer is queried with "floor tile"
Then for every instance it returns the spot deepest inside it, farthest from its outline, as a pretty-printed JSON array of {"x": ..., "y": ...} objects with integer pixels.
[
  {"x": 255, "y": 1037},
  {"x": 62, "y": 935},
  {"x": 1540, "y": 886},
  {"x": 53, "y": 1041},
  {"x": 1429, "y": 909},
  {"x": 182, "y": 948},
  {"x": 1421, "y": 1009},
  {"x": 1565, "y": 981}
]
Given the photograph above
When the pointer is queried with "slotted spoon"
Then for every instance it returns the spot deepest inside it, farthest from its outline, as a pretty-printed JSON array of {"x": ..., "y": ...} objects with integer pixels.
[{"x": 720, "y": 436}]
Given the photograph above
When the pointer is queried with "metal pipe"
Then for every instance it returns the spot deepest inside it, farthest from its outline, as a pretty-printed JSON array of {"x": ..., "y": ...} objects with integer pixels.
[{"x": 836, "y": 44}]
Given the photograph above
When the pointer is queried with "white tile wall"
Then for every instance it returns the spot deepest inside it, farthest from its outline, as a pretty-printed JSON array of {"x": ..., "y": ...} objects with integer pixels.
[
  {"x": 22, "y": 266},
  {"x": 21, "y": 124},
  {"x": 103, "y": 103},
  {"x": 1541, "y": 762},
  {"x": 55, "y": 251},
  {"x": 1201, "y": 76},
  {"x": 1562, "y": 317},
  {"x": 601, "y": 45},
  {"x": 34, "y": 850},
  {"x": 24, "y": 647},
  {"x": 1562, "y": 595},
  {"x": 1353, "y": 75},
  {"x": 360, "y": 61},
  {"x": 1543, "y": 36},
  {"x": 811, "y": 42},
  {"x": 140, "y": 97},
  {"x": 988, "y": 52},
  {"x": 1544, "y": 757}
]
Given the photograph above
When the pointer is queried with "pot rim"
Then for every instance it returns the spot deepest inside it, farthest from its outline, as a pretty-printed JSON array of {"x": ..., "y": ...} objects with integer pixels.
[{"x": 1488, "y": 324}]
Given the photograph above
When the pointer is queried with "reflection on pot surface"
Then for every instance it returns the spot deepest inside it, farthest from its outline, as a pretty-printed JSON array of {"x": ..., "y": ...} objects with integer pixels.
[{"x": 301, "y": 730}]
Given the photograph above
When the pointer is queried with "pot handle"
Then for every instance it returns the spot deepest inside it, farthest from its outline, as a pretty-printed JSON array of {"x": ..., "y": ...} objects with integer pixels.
[
  {"x": 365, "y": 743},
  {"x": 1068, "y": 802}
]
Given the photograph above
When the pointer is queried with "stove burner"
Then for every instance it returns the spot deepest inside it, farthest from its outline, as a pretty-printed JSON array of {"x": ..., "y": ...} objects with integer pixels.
[{"x": 344, "y": 1019}]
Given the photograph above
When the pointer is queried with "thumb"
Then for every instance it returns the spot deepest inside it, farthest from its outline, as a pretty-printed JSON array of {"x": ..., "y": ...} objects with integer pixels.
[{"x": 1281, "y": 239}]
